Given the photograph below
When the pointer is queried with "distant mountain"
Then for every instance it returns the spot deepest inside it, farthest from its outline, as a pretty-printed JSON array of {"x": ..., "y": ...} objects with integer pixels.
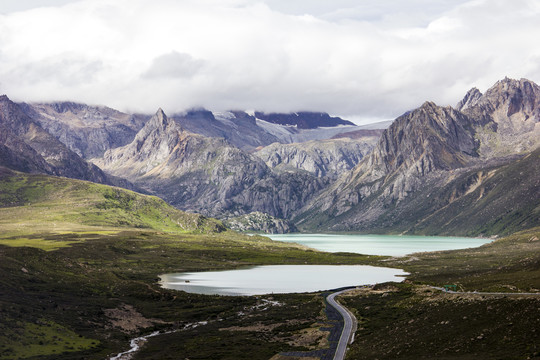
[
  {"x": 26, "y": 146},
  {"x": 206, "y": 174},
  {"x": 324, "y": 173},
  {"x": 434, "y": 150},
  {"x": 17, "y": 155},
  {"x": 323, "y": 158},
  {"x": 87, "y": 130},
  {"x": 303, "y": 120},
  {"x": 238, "y": 128},
  {"x": 249, "y": 132}
]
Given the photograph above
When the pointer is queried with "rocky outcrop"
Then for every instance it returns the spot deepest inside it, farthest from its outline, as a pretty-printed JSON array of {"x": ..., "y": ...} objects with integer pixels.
[
  {"x": 206, "y": 175},
  {"x": 87, "y": 130},
  {"x": 327, "y": 158},
  {"x": 470, "y": 99},
  {"x": 260, "y": 222}
]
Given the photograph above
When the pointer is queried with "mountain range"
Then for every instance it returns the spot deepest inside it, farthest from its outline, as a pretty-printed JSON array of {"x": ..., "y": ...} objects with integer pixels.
[{"x": 471, "y": 169}]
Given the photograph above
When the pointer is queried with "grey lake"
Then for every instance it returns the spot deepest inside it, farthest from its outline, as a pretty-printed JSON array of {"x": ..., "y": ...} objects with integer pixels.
[{"x": 270, "y": 279}]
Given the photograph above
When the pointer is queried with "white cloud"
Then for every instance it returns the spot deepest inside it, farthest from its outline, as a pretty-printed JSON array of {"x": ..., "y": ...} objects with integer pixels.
[
  {"x": 173, "y": 66},
  {"x": 367, "y": 59}
]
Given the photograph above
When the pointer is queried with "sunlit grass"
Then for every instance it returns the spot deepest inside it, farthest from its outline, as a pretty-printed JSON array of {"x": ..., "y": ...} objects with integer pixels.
[
  {"x": 41, "y": 338},
  {"x": 47, "y": 245}
]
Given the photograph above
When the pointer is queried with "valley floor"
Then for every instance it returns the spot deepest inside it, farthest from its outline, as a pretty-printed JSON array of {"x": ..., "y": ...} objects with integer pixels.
[{"x": 86, "y": 299}]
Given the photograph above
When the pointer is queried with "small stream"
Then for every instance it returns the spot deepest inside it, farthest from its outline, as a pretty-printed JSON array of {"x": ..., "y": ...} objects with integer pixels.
[{"x": 137, "y": 342}]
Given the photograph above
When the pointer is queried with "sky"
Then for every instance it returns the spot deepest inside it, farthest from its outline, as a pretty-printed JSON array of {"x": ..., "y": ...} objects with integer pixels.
[{"x": 364, "y": 60}]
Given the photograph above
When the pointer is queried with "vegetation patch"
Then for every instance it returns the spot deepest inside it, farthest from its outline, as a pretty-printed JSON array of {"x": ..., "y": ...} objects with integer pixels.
[
  {"x": 43, "y": 244},
  {"x": 422, "y": 323},
  {"x": 41, "y": 337}
]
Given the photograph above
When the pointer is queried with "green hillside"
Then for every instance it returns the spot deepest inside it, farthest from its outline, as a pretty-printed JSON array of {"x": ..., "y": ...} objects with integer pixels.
[{"x": 51, "y": 206}]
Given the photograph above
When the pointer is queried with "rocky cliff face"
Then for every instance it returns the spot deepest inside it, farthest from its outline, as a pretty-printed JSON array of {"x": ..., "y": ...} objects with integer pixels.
[
  {"x": 26, "y": 146},
  {"x": 87, "y": 130},
  {"x": 427, "y": 139},
  {"x": 260, "y": 222},
  {"x": 427, "y": 149},
  {"x": 327, "y": 158},
  {"x": 206, "y": 175},
  {"x": 17, "y": 155}
]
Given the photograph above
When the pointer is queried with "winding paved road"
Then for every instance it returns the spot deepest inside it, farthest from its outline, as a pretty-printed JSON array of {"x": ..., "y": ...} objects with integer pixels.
[{"x": 348, "y": 322}]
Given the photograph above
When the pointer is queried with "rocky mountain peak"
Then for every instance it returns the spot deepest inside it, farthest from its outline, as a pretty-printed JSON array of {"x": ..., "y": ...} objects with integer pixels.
[
  {"x": 517, "y": 95},
  {"x": 509, "y": 113},
  {"x": 152, "y": 145},
  {"x": 470, "y": 99},
  {"x": 160, "y": 123}
]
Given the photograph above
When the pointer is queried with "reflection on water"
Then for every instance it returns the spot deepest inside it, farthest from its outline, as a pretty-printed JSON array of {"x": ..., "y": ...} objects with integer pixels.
[
  {"x": 391, "y": 245},
  {"x": 279, "y": 279}
]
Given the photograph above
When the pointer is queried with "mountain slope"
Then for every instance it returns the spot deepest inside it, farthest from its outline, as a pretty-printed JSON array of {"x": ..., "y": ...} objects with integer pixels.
[
  {"x": 329, "y": 158},
  {"x": 87, "y": 130},
  {"x": 430, "y": 157},
  {"x": 206, "y": 175},
  {"x": 26, "y": 142},
  {"x": 237, "y": 127}
]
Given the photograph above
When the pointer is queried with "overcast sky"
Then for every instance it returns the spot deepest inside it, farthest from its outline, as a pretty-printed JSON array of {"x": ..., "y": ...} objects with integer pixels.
[{"x": 360, "y": 59}]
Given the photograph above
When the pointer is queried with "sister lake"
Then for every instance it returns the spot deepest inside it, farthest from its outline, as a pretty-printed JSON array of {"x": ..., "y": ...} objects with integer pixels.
[
  {"x": 260, "y": 280},
  {"x": 391, "y": 245}
]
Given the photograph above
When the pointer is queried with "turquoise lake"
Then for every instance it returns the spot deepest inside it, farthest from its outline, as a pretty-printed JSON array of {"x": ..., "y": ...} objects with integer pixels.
[{"x": 391, "y": 245}]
